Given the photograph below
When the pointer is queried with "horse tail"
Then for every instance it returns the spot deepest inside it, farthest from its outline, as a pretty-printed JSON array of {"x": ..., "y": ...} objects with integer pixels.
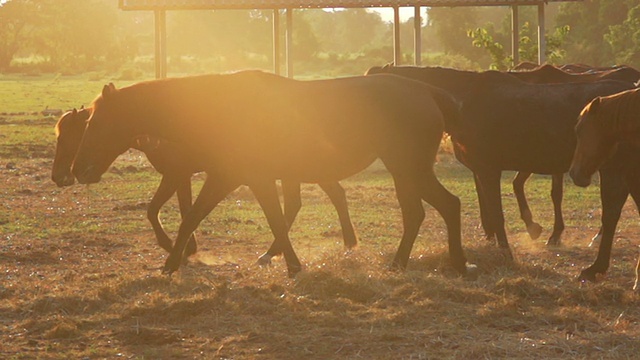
[{"x": 449, "y": 107}]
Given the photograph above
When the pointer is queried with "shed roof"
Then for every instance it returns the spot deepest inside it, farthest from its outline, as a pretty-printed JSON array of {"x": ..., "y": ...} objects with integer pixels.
[{"x": 295, "y": 4}]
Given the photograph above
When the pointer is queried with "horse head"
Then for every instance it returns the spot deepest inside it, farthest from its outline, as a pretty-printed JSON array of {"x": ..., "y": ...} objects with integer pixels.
[
  {"x": 595, "y": 144},
  {"x": 103, "y": 138},
  {"x": 69, "y": 130}
]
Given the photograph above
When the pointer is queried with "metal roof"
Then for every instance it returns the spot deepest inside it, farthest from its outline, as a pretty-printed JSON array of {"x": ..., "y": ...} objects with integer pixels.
[{"x": 297, "y": 4}]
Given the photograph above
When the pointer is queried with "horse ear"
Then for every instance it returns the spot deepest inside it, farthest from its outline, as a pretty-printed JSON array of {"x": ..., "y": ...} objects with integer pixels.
[
  {"x": 74, "y": 112},
  {"x": 81, "y": 107},
  {"x": 108, "y": 90}
]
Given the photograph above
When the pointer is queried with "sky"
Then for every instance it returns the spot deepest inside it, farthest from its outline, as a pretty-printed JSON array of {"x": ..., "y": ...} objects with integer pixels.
[
  {"x": 385, "y": 13},
  {"x": 405, "y": 13}
]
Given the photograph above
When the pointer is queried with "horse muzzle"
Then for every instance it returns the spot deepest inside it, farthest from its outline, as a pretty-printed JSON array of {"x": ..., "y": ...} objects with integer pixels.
[
  {"x": 64, "y": 180},
  {"x": 580, "y": 179},
  {"x": 88, "y": 175}
]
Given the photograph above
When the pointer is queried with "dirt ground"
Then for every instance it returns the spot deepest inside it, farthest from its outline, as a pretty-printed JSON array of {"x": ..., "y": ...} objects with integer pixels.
[{"x": 80, "y": 278}]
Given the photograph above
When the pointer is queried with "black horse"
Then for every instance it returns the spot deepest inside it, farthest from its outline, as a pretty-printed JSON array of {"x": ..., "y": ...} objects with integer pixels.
[{"x": 508, "y": 124}]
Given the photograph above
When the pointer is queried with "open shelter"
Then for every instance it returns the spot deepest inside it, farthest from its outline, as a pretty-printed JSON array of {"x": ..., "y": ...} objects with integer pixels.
[{"x": 160, "y": 7}]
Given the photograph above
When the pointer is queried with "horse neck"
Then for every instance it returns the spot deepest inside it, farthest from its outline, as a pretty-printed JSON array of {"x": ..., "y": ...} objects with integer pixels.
[
  {"x": 457, "y": 82},
  {"x": 626, "y": 121}
]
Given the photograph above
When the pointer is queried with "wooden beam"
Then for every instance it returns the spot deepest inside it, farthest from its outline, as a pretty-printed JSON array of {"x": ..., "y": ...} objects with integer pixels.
[
  {"x": 160, "y": 22},
  {"x": 397, "y": 54},
  {"x": 542, "y": 43},
  {"x": 417, "y": 36},
  {"x": 276, "y": 41},
  {"x": 289, "y": 42},
  {"x": 515, "y": 35}
]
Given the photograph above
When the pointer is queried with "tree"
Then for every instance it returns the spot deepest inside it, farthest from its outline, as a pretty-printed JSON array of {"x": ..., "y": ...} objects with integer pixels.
[
  {"x": 625, "y": 39},
  {"x": 589, "y": 21},
  {"x": 15, "y": 29}
]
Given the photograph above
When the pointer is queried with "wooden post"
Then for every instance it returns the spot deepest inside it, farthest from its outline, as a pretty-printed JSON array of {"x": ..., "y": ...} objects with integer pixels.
[
  {"x": 161, "y": 43},
  {"x": 542, "y": 44},
  {"x": 397, "y": 54},
  {"x": 515, "y": 35},
  {"x": 417, "y": 37},
  {"x": 276, "y": 41},
  {"x": 289, "y": 42}
]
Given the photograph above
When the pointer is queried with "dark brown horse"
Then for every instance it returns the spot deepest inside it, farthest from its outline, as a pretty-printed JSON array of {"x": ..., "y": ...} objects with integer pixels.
[
  {"x": 253, "y": 127},
  {"x": 508, "y": 124},
  {"x": 607, "y": 127},
  {"x": 176, "y": 166},
  {"x": 549, "y": 74}
]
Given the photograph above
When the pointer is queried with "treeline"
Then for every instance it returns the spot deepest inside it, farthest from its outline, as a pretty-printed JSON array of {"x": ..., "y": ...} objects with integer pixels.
[{"x": 76, "y": 36}]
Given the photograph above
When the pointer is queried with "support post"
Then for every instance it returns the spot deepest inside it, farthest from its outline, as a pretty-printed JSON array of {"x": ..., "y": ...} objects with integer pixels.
[
  {"x": 289, "y": 42},
  {"x": 417, "y": 37},
  {"x": 397, "y": 54},
  {"x": 276, "y": 41},
  {"x": 160, "y": 20},
  {"x": 515, "y": 35},
  {"x": 542, "y": 44}
]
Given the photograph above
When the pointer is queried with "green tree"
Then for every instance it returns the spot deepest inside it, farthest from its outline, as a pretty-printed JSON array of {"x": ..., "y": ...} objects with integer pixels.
[
  {"x": 625, "y": 39},
  {"x": 15, "y": 29},
  {"x": 590, "y": 21}
]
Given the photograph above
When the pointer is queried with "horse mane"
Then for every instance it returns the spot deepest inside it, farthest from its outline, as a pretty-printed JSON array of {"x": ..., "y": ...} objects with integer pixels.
[
  {"x": 619, "y": 110},
  {"x": 70, "y": 116}
]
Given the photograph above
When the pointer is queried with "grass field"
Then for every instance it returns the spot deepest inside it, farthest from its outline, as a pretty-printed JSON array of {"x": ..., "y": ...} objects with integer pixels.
[{"x": 81, "y": 280}]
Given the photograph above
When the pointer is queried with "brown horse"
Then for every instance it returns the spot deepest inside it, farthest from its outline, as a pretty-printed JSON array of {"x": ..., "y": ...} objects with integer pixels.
[
  {"x": 603, "y": 123},
  {"x": 508, "y": 124},
  {"x": 549, "y": 74},
  {"x": 608, "y": 126},
  {"x": 176, "y": 166},
  {"x": 253, "y": 127}
]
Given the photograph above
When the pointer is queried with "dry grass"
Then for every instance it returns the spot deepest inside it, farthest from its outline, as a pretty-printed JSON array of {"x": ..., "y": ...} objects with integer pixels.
[{"x": 80, "y": 279}]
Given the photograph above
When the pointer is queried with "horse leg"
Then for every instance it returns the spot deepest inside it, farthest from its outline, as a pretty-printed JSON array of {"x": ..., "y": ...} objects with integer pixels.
[
  {"x": 632, "y": 180},
  {"x": 412, "y": 217},
  {"x": 185, "y": 202},
  {"x": 490, "y": 184},
  {"x": 636, "y": 284},
  {"x": 166, "y": 189},
  {"x": 267, "y": 195},
  {"x": 533, "y": 228},
  {"x": 338, "y": 198},
  {"x": 485, "y": 221},
  {"x": 596, "y": 238},
  {"x": 214, "y": 190},
  {"x": 448, "y": 205},
  {"x": 292, "y": 205},
  {"x": 557, "y": 182},
  {"x": 613, "y": 194}
]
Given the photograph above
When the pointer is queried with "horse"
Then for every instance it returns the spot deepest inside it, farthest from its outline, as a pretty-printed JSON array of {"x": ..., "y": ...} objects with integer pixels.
[
  {"x": 252, "y": 128},
  {"x": 606, "y": 126},
  {"x": 508, "y": 124},
  {"x": 177, "y": 167},
  {"x": 547, "y": 74}
]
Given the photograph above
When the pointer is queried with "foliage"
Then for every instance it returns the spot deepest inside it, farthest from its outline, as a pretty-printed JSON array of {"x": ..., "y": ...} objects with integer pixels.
[
  {"x": 528, "y": 46},
  {"x": 625, "y": 38},
  {"x": 482, "y": 39}
]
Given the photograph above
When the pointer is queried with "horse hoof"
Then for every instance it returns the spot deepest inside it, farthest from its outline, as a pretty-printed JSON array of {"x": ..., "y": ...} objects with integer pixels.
[
  {"x": 471, "y": 272},
  {"x": 534, "y": 230},
  {"x": 293, "y": 271},
  {"x": 265, "y": 260},
  {"x": 587, "y": 275},
  {"x": 170, "y": 266},
  {"x": 595, "y": 240},
  {"x": 553, "y": 241},
  {"x": 507, "y": 254}
]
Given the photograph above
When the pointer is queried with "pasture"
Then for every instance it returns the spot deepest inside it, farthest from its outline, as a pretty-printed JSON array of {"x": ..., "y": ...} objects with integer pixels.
[{"x": 81, "y": 269}]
